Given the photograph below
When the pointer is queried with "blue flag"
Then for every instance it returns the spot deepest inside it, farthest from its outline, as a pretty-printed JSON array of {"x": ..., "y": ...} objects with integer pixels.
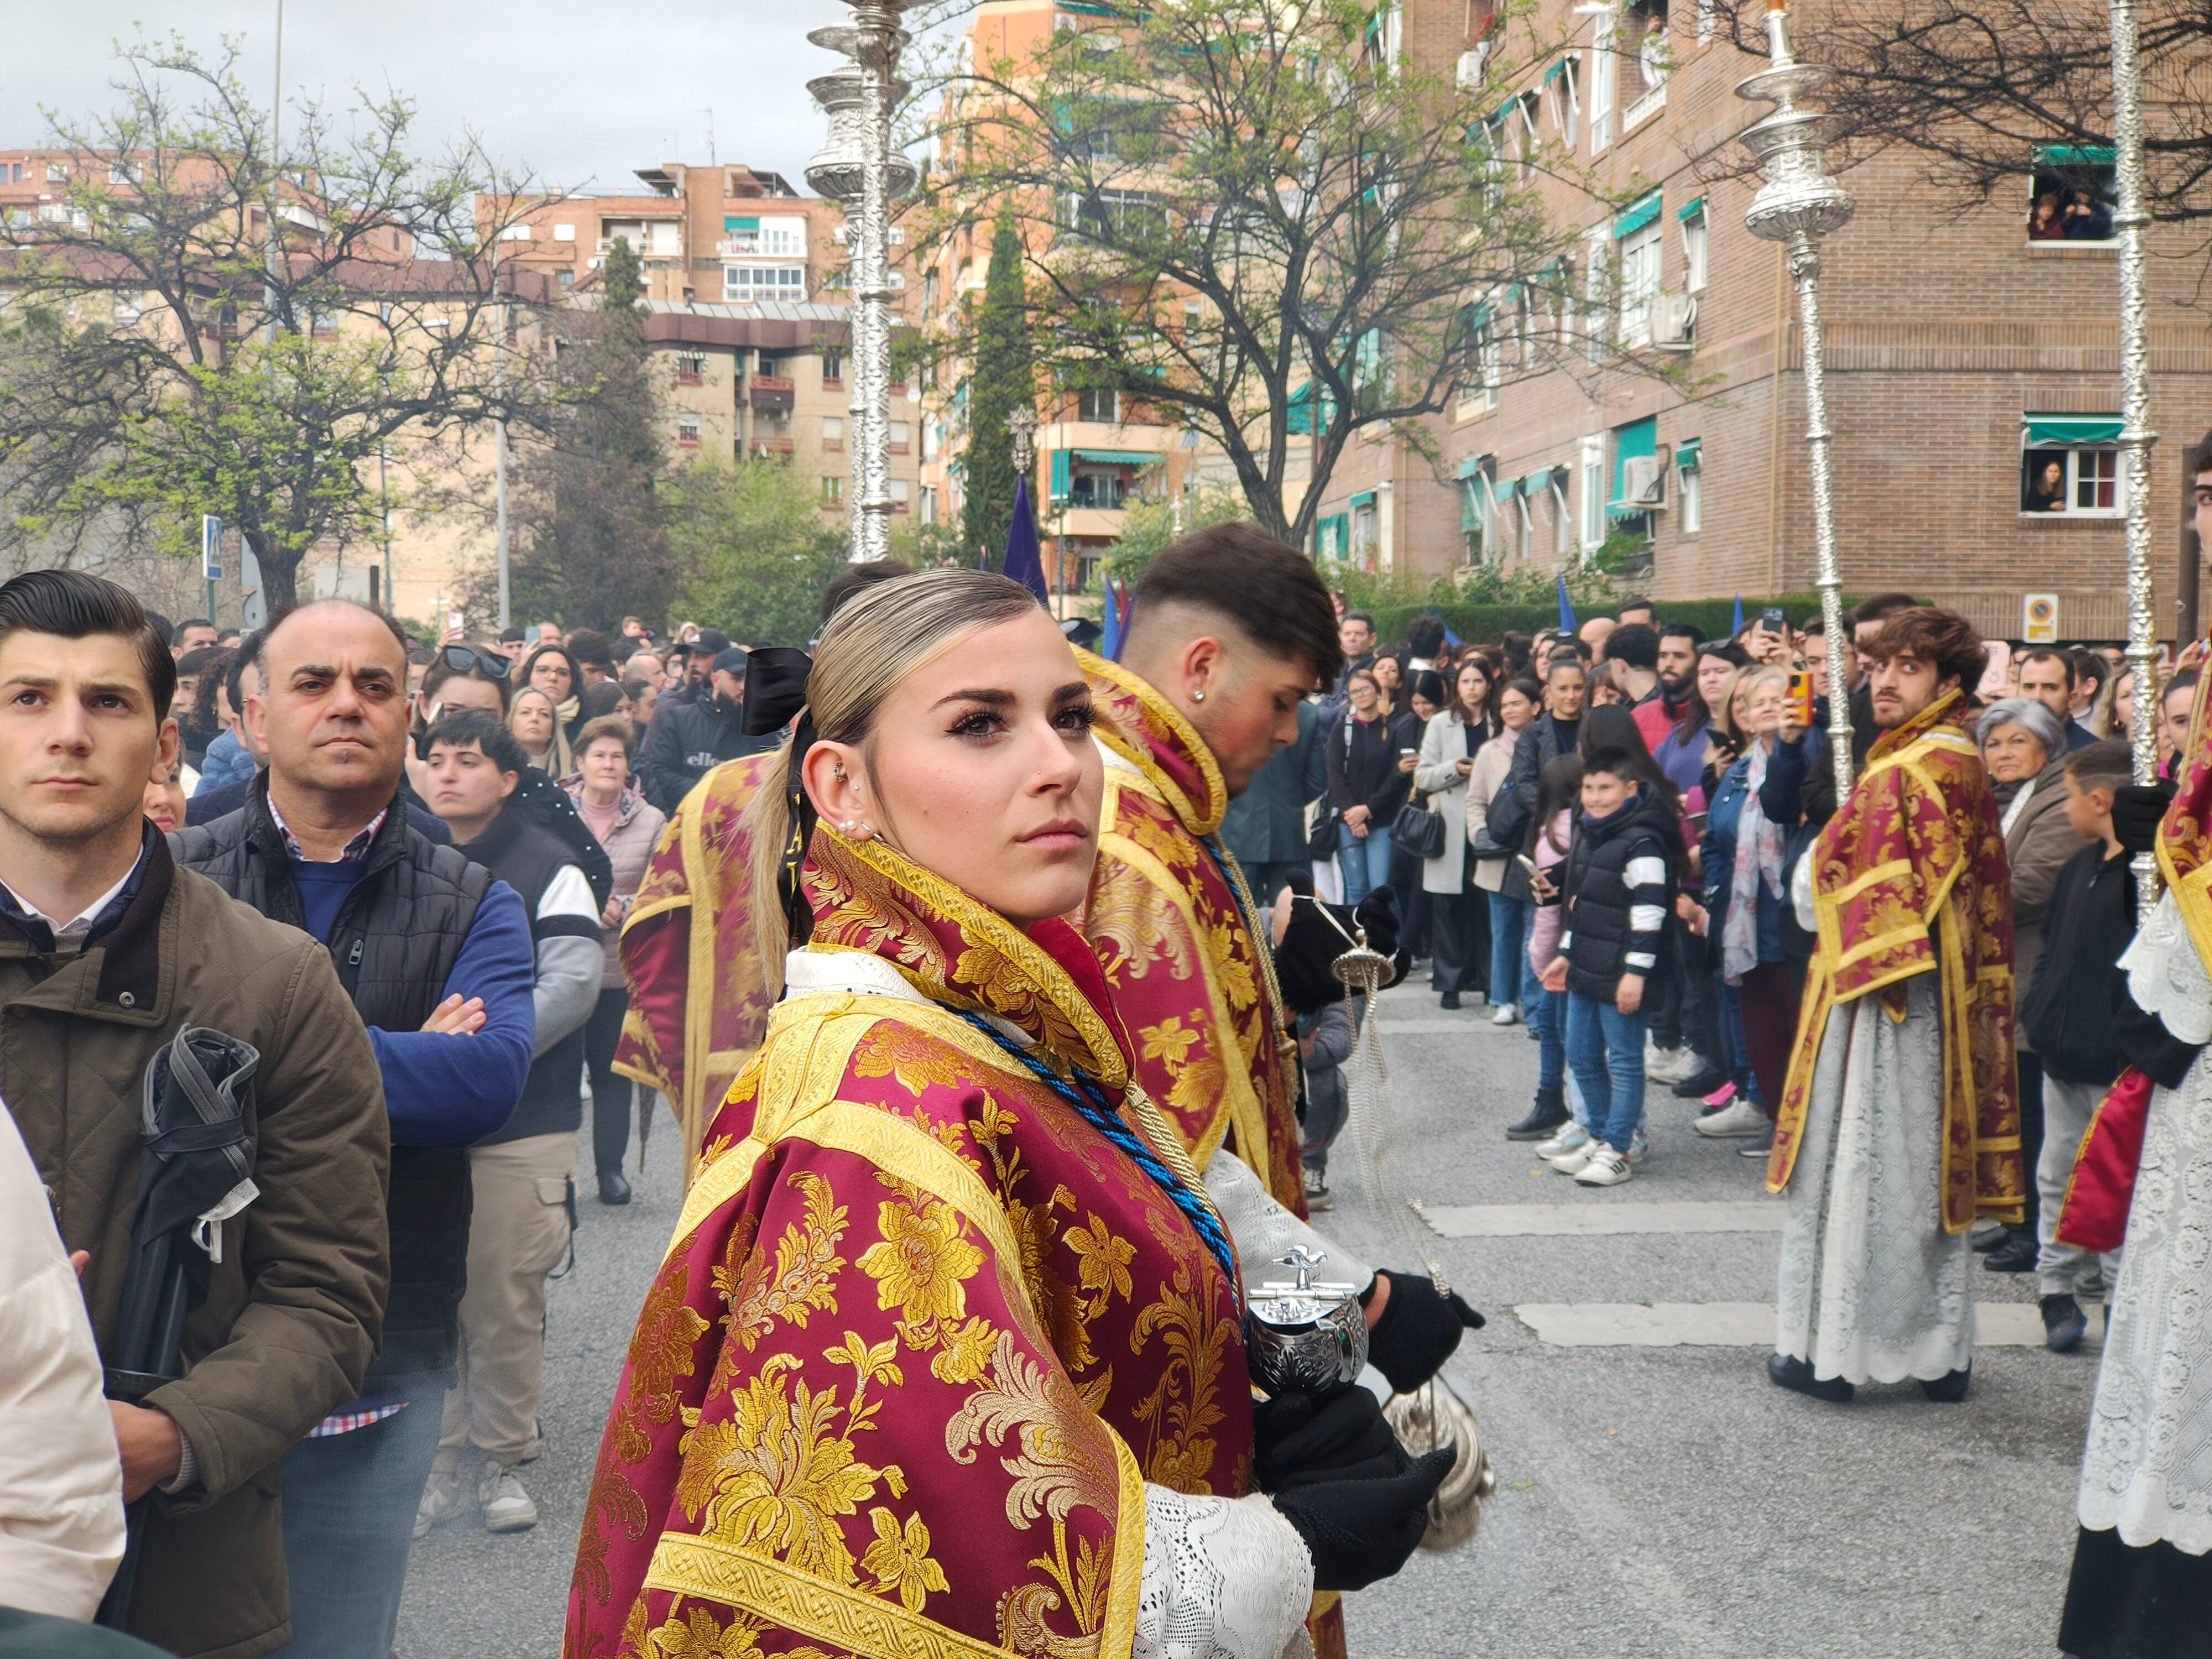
[
  {"x": 1023, "y": 563},
  {"x": 1736, "y": 626},
  {"x": 1109, "y": 639},
  {"x": 1566, "y": 611}
]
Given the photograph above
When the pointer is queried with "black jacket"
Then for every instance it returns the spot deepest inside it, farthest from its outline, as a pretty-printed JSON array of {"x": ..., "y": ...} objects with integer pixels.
[
  {"x": 687, "y": 741},
  {"x": 2078, "y": 1016},
  {"x": 394, "y": 942},
  {"x": 1362, "y": 757},
  {"x": 1543, "y": 740},
  {"x": 1619, "y": 889}
]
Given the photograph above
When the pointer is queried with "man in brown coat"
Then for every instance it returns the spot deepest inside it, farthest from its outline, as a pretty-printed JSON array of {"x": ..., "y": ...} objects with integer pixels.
[{"x": 107, "y": 948}]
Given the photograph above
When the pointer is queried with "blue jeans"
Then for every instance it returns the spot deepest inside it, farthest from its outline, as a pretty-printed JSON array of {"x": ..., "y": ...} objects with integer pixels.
[
  {"x": 1543, "y": 1012},
  {"x": 1365, "y": 861},
  {"x": 1510, "y": 972},
  {"x": 1605, "y": 1048},
  {"x": 1736, "y": 1060},
  {"x": 350, "y": 1502}
]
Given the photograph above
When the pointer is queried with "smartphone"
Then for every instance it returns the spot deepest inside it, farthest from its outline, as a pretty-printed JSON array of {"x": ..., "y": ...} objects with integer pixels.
[
  {"x": 1527, "y": 863},
  {"x": 1801, "y": 697},
  {"x": 1773, "y": 620}
]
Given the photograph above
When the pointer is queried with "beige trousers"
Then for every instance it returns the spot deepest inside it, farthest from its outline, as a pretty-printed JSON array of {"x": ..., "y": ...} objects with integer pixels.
[{"x": 517, "y": 1234}]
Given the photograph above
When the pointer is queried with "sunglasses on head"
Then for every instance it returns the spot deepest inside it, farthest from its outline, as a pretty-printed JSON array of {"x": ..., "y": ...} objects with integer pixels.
[{"x": 461, "y": 658}]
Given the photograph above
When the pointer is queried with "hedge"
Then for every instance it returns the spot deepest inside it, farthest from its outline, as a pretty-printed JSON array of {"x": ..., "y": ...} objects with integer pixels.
[{"x": 1485, "y": 623}]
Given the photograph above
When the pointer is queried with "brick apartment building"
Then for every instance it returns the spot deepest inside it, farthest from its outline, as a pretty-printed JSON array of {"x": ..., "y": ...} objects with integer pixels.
[{"x": 1964, "y": 361}]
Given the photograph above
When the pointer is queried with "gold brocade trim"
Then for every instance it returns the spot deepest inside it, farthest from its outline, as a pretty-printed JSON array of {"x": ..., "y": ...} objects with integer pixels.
[
  {"x": 1106, "y": 1060},
  {"x": 847, "y": 1619},
  {"x": 1239, "y": 1104},
  {"x": 1199, "y": 820},
  {"x": 1118, "y": 1635},
  {"x": 700, "y": 978},
  {"x": 1851, "y": 889},
  {"x": 714, "y": 1186},
  {"x": 1880, "y": 942},
  {"x": 900, "y": 1148}
]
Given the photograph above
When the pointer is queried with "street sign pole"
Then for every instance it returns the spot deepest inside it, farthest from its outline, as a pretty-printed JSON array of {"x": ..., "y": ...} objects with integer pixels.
[{"x": 210, "y": 557}]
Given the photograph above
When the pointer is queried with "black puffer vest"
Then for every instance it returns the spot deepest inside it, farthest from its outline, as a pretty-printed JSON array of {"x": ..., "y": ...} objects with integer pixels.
[
  {"x": 1598, "y": 893},
  {"x": 394, "y": 942}
]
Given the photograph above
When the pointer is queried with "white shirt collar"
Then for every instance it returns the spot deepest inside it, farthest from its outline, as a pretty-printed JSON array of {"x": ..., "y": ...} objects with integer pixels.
[{"x": 84, "y": 920}]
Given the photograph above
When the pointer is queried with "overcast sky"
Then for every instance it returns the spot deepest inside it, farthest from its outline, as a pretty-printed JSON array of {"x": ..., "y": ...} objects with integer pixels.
[{"x": 578, "y": 91}]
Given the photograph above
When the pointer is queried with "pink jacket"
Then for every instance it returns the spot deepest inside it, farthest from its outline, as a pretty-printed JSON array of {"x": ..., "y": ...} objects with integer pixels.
[{"x": 1544, "y": 928}]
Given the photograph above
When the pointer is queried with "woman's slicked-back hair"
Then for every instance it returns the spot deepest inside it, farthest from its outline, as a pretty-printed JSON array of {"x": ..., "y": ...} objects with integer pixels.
[
  {"x": 73, "y": 604},
  {"x": 1266, "y": 590},
  {"x": 878, "y": 637}
]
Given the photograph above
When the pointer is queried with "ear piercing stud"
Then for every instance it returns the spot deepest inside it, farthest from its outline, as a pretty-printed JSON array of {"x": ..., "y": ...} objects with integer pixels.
[{"x": 1198, "y": 697}]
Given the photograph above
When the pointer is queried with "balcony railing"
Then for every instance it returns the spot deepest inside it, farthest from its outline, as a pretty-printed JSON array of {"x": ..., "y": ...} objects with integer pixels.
[
  {"x": 771, "y": 448},
  {"x": 770, "y": 391},
  {"x": 689, "y": 377}
]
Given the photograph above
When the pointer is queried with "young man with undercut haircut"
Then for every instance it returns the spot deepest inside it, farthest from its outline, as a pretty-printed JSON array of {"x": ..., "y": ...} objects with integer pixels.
[{"x": 109, "y": 946}]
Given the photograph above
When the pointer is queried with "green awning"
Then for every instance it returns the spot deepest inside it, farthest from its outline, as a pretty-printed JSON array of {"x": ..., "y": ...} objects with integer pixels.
[
  {"x": 1365, "y": 498},
  {"x": 1559, "y": 68},
  {"x": 1118, "y": 457},
  {"x": 731, "y": 221},
  {"x": 1298, "y": 417},
  {"x": 1502, "y": 490},
  {"x": 2075, "y": 156},
  {"x": 1631, "y": 442},
  {"x": 1469, "y": 467},
  {"x": 1691, "y": 209},
  {"x": 1685, "y": 454},
  {"x": 1510, "y": 298},
  {"x": 1332, "y": 534},
  {"x": 2072, "y": 428},
  {"x": 1636, "y": 218},
  {"x": 1061, "y": 487},
  {"x": 1535, "y": 483}
]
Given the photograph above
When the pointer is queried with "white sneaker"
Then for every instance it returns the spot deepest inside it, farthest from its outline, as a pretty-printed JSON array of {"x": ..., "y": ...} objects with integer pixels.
[
  {"x": 1607, "y": 1168},
  {"x": 506, "y": 1507},
  {"x": 1738, "y": 1117},
  {"x": 1503, "y": 1014},
  {"x": 1668, "y": 1065},
  {"x": 1571, "y": 1136},
  {"x": 1571, "y": 1163},
  {"x": 440, "y": 1499}
]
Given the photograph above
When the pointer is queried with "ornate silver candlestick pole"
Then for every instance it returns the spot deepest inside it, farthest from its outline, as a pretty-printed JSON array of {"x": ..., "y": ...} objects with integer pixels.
[
  {"x": 1799, "y": 204},
  {"x": 873, "y": 42},
  {"x": 838, "y": 170},
  {"x": 2133, "y": 223}
]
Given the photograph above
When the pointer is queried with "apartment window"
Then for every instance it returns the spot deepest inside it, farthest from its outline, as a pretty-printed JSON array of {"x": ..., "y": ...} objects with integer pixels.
[
  {"x": 565, "y": 278},
  {"x": 1595, "y": 333},
  {"x": 900, "y": 490},
  {"x": 1604, "y": 74},
  {"x": 1694, "y": 228},
  {"x": 1092, "y": 404},
  {"x": 1567, "y": 100},
  {"x": 57, "y": 173},
  {"x": 514, "y": 234},
  {"x": 1524, "y": 524},
  {"x": 1112, "y": 215},
  {"x": 120, "y": 172},
  {"x": 1489, "y": 356},
  {"x": 564, "y": 233},
  {"x": 1639, "y": 275},
  {"x": 2071, "y": 466},
  {"x": 2072, "y": 194},
  {"x": 901, "y": 437},
  {"x": 687, "y": 432},
  {"x": 1562, "y": 520},
  {"x": 690, "y": 369},
  {"x": 1592, "y": 468},
  {"x": 929, "y": 505},
  {"x": 1647, "y": 24},
  {"x": 932, "y": 436},
  {"x": 752, "y": 283},
  {"x": 833, "y": 431},
  {"x": 833, "y": 490},
  {"x": 833, "y": 371},
  {"x": 1689, "y": 470}
]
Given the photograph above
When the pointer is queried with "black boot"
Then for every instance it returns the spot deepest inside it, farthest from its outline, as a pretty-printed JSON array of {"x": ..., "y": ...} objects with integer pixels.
[
  {"x": 1797, "y": 1375},
  {"x": 1546, "y": 1114},
  {"x": 2064, "y": 1324},
  {"x": 2017, "y": 1254},
  {"x": 1451, "y": 999},
  {"x": 1948, "y": 1391},
  {"x": 614, "y": 1187}
]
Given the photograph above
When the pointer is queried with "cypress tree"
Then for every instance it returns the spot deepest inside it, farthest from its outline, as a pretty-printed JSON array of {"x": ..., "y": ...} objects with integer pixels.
[{"x": 1003, "y": 380}]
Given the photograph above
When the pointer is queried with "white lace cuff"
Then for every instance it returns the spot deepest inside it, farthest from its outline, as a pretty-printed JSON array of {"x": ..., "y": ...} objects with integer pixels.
[
  {"x": 1262, "y": 1230},
  {"x": 1224, "y": 1578},
  {"x": 2166, "y": 976}
]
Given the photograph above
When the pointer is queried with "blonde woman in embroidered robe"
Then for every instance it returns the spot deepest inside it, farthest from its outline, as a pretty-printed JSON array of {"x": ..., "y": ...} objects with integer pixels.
[
  {"x": 946, "y": 1354},
  {"x": 1898, "y": 1123}
]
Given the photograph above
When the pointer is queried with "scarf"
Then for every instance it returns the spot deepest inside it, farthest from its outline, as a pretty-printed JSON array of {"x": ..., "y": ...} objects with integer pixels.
[{"x": 1758, "y": 862}]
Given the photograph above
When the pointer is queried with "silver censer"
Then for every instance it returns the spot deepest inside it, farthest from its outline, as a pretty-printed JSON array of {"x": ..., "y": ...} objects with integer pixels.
[{"x": 1307, "y": 1336}]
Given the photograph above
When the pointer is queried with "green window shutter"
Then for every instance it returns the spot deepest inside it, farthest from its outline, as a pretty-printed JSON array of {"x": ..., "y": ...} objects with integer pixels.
[
  {"x": 1642, "y": 213},
  {"x": 1061, "y": 487},
  {"x": 1691, "y": 209},
  {"x": 2072, "y": 428},
  {"x": 1631, "y": 442}
]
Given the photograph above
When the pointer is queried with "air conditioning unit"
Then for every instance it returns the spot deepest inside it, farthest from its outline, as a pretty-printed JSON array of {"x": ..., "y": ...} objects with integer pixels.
[
  {"x": 1468, "y": 75},
  {"x": 1673, "y": 318},
  {"x": 1643, "y": 482}
]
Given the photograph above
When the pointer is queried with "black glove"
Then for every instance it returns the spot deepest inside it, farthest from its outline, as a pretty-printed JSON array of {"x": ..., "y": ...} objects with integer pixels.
[
  {"x": 1359, "y": 1531},
  {"x": 1298, "y": 1442},
  {"x": 1378, "y": 913},
  {"x": 1418, "y": 1331},
  {"x": 2138, "y": 810}
]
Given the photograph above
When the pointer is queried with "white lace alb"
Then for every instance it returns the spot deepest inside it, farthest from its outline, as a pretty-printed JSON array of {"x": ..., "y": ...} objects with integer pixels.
[{"x": 1224, "y": 1578}]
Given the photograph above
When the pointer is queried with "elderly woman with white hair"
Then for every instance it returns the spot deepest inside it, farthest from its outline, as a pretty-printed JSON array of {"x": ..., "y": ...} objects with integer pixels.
[{"x": 2024, "y": 750}]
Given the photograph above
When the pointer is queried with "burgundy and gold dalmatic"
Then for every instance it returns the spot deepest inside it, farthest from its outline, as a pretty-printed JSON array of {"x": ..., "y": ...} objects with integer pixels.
[
  {"x": 924, "y": 1332},
  {"x": 1170, "y": 918}
]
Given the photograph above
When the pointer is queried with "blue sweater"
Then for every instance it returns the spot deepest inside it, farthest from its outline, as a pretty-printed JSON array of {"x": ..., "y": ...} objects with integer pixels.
[{"x": 441, "y": 1090}]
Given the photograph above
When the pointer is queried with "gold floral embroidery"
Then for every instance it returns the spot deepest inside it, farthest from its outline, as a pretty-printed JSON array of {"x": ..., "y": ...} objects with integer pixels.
[
  {"x": 1124, "y": 914},
  {"x": 697, "y": 1635},
  {"x": 806, "y": 1264},
  {"x": 1183, "y": 1406},
  {"x": 777, "y": 1474},
  {"x": 668, "y": 1329},
  {"x": 1224, "y": 945},
  {"x": 899, "y": 1558},
  {"x": 1105, "y": 1258},
  {"x": 1065, "y": 1459},
  {"x": 1169, "y": 1041},
  {"x": 901, "y": 1051},
  {"x": 1022, "y": 1610},
  {"x": 921, "y": 1267}
]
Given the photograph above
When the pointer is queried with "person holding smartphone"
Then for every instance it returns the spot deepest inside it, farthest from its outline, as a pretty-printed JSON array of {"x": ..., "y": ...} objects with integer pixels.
[{"x": 1366, "y": 784}]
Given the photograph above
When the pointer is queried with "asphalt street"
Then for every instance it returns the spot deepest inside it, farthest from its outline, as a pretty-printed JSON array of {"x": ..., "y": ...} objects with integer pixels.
[{"x": 1654, "y": 1502}]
